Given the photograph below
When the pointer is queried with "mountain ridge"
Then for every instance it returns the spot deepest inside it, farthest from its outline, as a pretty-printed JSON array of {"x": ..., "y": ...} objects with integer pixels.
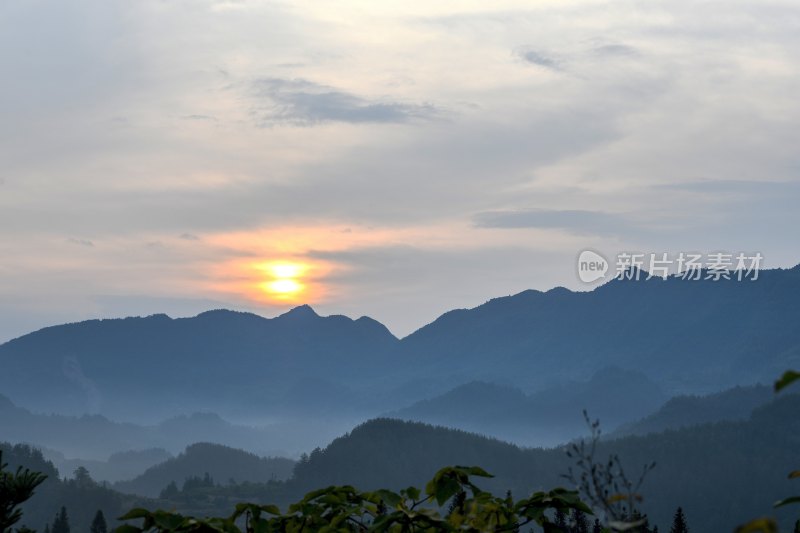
[{"x": 687, "y": 336}]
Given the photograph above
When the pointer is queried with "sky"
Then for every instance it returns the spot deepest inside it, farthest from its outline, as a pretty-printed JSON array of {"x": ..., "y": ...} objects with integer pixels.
[{"x": 389, "y": 159}]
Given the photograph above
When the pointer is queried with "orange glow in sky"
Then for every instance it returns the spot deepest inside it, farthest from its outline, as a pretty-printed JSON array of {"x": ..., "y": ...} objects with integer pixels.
[{"x": 286, "y": 265}]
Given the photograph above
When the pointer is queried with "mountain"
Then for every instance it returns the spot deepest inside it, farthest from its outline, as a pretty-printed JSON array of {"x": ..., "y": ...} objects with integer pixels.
[
  {"x": 222, "y": 463},
  {"x": 89, "y": 440},
  {"x": 722, "y": 474},
  {"x": 160, "y": 365},
  {"x": 687, "y": 336},
  {"x": 547, "y": 417},
  {"x": 686, "y": 411}
]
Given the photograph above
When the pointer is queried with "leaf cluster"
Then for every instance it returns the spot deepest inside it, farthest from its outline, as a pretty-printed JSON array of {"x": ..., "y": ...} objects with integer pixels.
[
  {"x": 345, "y": 509},
  {"x": 15, "y": 488}
]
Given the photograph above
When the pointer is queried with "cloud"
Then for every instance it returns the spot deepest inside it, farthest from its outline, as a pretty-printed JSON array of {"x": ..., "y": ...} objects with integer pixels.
[
  {"x": 574, "y": 221},
  {"x": 188, "y": 237},
  {"x": 748, "y": 188},
  {"x": 615, "y": 50},
  {"x": 81, "y": 242},
  {"x": 199, "y": 117},
  {"x": 305, "y": 103},
  {"x": 537, "y": 58},
  {"x": 654, "y": 96}
]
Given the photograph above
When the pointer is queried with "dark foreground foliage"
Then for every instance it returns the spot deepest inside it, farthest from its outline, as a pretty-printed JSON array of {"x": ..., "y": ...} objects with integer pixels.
[{"x": 345, "y": 509}]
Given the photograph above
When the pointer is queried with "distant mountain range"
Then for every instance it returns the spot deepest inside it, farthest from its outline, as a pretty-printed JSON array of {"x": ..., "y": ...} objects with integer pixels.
[
  {"x": 685, "y": 336},
  {"x": 87, "y": 440},
  {"x": 548, "y": 417},
  {"x": 687, "y": 411}
]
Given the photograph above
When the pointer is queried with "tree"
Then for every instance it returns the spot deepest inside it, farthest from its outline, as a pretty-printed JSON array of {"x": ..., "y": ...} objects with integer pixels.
[
  {"x": 580, "y": 524},
  {"x": 170, "y": 491},
  {"x": 560, "y": 521},
  {"x": 61, "y": 522},
  {"x": 604, "y": 485},
  {"x": 99, "y": 523},
  {"x": 15, "y": 489},
  {"x": 82, "y": 477},
  {"x": 679, "y": 523}
]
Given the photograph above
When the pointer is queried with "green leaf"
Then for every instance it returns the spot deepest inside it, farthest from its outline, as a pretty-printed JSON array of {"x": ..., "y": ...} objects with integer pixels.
[
  {"x": 786, "y": 379},
  {"x": 135, "y": 513},
  {"x": 390, "y": 499},
  {"x": 759, "y": 525},
  {"x": 787, "y": 501},
  {"x": 475, "y": 471},
  {"x": 626, "y": 526},
  {"x": 411, "y": 493}
]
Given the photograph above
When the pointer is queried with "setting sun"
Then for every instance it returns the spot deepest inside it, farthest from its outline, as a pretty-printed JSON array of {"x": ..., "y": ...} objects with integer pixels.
[
  {"x": 285, "y": 283},
  {"x": 284, "y": 287},
  {"x": 287, "y": 270}
]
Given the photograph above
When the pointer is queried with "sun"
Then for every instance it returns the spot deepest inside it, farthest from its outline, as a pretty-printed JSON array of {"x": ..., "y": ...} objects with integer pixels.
[
  {"x": 285, "y": 281},
  {"x": 284, "y": 286}
]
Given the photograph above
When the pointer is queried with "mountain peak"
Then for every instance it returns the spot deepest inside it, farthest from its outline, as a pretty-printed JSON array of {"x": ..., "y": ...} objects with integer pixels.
[{"x": 300, "y": 312}]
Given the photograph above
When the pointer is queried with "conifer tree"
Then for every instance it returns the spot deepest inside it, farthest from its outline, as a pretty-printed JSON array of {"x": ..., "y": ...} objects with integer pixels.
[
  {"x": 61, "y": 522},
  {"x": 679, "y": 523},
  {"x": 580, "y": 524},
  {"x": 99, "y": 523}
]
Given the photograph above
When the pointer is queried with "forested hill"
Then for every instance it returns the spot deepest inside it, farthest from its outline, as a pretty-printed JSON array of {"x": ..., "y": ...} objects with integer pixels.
[
  {"x": 722, "y": 474},
  {"x": 687, "y": 336},
  {"x": 223, "y": 464},
  {"x": 82, "y": 497}
]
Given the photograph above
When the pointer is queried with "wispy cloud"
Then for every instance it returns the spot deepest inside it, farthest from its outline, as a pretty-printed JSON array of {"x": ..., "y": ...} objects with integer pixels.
[
  {"x": 538, "y": 58},
  {"x": 614, "y": 49},
  {"x": 81, "y": 242},
  {"x": 305, "y": 103},
  {"x": 572, "y": 220}
]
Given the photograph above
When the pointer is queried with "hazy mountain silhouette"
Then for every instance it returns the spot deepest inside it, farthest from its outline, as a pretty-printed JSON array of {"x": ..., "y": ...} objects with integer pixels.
[
  {"x": 223, "y": 360},
  {"x": 690, "y": 336},
  {"x": 118, "y": 467},
  {"x": 686, "y": 336},
  {"x": 222, "y": 463},
  {"x": 547, "y": 417},
  {"x": 90, "y": 438},
  {"x": 686, "y": 411}
]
